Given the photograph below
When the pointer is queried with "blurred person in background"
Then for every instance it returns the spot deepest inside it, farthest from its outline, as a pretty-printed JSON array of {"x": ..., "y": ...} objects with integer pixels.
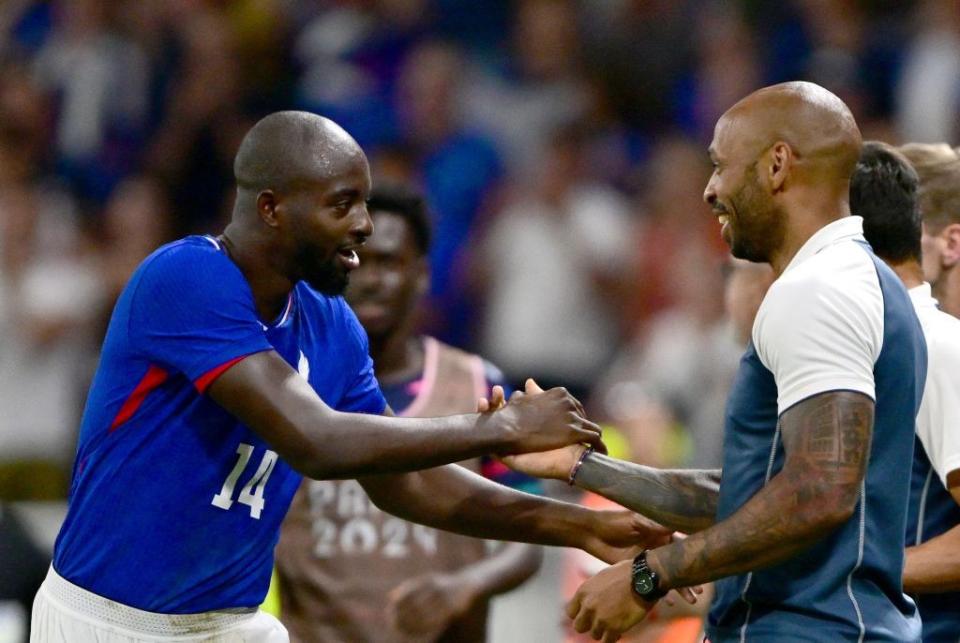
[
  {"x": 540, "y": 88},
  {"x": 673, "y": 227},
  {"x": 135, "y": 222},
  {"x": 883, "y": 191},
  {"x": 49, "y": 291},
  {"x": 348, "y": 571},
  {"x": 928, "y": 88},
  {"x": 101, "y": 80},
  {"x": 548, "y": 261},
  {"x": 203, "y": 122},
  {"x": 458, "y": 168},
  {"x": 939, "y": 170}
]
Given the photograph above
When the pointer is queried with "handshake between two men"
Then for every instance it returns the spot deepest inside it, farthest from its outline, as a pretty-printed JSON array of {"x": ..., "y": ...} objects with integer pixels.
[{"x": 623, "y": 594}]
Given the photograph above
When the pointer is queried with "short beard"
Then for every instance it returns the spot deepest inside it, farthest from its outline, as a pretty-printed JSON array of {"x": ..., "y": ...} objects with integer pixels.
[
  {"x": 761, "y": 226},
  {"x": 326, "y": 277}
]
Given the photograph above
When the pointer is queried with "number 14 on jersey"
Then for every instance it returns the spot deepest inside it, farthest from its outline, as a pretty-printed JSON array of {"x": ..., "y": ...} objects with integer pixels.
[{"x": 252, "y": 492}]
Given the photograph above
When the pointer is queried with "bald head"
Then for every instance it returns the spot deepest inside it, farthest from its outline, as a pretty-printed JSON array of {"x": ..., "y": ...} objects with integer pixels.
[
  {"x": 816, "y": 124},
  {"x": 286, "y": 148}
]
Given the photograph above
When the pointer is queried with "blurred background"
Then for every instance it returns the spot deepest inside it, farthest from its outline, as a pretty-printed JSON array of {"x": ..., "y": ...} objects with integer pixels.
[{"x": 560, "y": 143}]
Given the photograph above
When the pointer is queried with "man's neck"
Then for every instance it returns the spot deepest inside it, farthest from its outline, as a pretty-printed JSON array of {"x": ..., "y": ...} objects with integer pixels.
[
  {"x": 397, "y": 357},
  {"x": 803, "y": 222},
  {"x": 270, "y": 287},
  {"x": 909, "y": 271},
  {"x": 947, "y": 292}
]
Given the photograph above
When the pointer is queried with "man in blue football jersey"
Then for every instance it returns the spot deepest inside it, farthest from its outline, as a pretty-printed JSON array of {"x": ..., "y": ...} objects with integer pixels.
[
  {"x": 231, "y": 367},
  {"x": 804, "y": 529}
]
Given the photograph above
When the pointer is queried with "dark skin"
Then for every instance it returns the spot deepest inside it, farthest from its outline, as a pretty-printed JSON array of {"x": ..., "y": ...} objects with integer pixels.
[
  {"x": 300, "y": 214},
  {"x": 782, "y": 161},
  {"x": 384, "y": 292}
]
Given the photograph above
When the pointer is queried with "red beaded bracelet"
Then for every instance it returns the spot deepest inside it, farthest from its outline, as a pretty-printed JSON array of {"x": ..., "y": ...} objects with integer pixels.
[{"x": 576, "y": 467}]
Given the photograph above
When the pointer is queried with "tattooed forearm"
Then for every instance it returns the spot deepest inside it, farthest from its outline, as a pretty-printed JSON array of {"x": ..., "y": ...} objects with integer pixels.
[
  {"x": 678, "y": 499},
  {"x": 826, "y": 440}
]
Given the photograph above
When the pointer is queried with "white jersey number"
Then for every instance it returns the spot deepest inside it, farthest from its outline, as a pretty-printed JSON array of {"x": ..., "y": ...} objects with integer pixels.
[{"x": 252, "y": 492}]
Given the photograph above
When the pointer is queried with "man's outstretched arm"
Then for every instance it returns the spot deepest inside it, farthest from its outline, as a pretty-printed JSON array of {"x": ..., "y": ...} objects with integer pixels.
[
  {"x": 683, "y": 500},
  {"x": 455, "y": 499},
  {"x": 264, "y": 393}
]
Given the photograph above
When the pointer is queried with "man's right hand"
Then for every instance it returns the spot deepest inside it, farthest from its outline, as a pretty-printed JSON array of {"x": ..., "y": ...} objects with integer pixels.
[{"x": 544, "y": 421}]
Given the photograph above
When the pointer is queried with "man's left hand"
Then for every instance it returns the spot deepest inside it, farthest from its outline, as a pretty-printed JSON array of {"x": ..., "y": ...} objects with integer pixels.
[
  {"x": 620, "y": 534},
  {"x": 425, "y": 606},
  {"x": 605, "y": 606}
]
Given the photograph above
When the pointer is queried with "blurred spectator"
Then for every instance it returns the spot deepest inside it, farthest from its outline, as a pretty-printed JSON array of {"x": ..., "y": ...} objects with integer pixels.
[
  {"x": 676, "y": 223},
  {"x": 457, "y": 167},
  {"x": 545, "y": 262},
  {"x": 681, "y": 370},
  {"x": 101, "y": 80},
  {"x": 929, "y": 87},
  {"x": 135, "y": 222},
  {"x": 541, "y": 88},
  {"x": 49, "y": 291},
  {"x": 203, "y": 122},
  {"x": 726, "y": 69}
]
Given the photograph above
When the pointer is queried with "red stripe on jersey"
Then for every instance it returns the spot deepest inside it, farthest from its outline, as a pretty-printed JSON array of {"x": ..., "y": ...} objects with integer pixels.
[
  {"x": 155, "y": 377},
  {"x": 204, "y": 381}
]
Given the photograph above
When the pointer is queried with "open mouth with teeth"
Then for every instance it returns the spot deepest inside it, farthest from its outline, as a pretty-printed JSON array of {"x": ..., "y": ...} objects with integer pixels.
[{"x": 348, "y": 257}]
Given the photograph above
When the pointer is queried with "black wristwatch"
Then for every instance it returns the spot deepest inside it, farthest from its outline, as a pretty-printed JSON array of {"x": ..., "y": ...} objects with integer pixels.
[{"x": 645, "y": 582}]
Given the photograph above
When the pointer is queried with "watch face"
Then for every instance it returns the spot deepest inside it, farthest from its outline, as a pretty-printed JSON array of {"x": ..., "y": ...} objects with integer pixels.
[{"x": 644, "y": 584}]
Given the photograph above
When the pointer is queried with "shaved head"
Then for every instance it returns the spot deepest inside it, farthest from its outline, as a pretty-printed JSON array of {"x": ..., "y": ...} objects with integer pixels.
[
  {"x": 782, "y": 157},
  {"x": 815, "y": 123},
  {"x": 302, "y": 185},
  {"x": 288, "y": 148}
]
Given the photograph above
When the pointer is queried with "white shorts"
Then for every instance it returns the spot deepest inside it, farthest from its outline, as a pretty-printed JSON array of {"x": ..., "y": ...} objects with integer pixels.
[{"x": 65, "y": 613}]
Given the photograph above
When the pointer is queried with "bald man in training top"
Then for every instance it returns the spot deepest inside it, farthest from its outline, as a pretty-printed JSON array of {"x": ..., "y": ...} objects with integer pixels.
[
  {"x": 231, "y": 368},
  {"x": 803, "y": 527}
]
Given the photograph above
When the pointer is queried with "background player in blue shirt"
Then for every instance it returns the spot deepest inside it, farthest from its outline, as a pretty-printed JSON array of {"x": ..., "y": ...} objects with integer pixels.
[{"x": 231, "y": 367}]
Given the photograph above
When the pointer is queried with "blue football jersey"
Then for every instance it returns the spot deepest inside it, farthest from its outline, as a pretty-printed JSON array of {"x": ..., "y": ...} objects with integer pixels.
[{"x": 175, "y": 506}]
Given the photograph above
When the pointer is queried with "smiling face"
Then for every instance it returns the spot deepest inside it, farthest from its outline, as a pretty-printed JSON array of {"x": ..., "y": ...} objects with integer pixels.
[
  {"x": 328, "y": 223},
  {"x": 391, "y": 278},
  {"x": 752, "y": 223}
]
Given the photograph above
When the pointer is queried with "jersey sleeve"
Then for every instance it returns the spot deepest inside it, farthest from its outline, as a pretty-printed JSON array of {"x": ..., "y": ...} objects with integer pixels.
[
  {"x": 821, "y": 333},
  {"x": 938, "y": 422},
  {"x": 192, "y": 311},
  {"x": 363, "y": 394}
]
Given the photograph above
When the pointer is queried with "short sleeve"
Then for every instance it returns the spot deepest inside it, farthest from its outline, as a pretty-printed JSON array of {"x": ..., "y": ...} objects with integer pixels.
[
  {"x": 938, "y": 422},
  {"x": 363, "y": 394},
  {"x": 192, "y": 311},
  {"x": 820, "y": 333}
]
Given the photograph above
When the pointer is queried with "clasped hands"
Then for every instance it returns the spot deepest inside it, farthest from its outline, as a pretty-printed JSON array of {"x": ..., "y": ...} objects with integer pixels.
[{"x": 605, "y": 605}]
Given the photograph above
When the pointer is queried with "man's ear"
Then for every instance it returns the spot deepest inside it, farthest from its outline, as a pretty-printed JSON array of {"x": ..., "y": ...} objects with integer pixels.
[
  {"x": 780, "y": 162},
  {"x": 267, "y": 208},
  {"x": 950, "y": 256}
]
